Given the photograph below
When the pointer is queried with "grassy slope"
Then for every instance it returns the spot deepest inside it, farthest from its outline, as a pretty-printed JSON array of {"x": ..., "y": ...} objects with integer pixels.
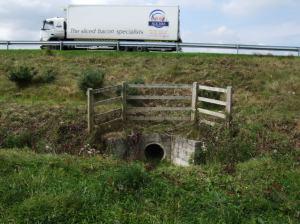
[
  {"x": 266, "y": 100},
  {"x": 65, "y": 189}
]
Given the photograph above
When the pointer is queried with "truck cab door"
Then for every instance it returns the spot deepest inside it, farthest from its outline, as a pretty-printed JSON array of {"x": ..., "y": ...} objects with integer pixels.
[
  {"x": 53, "y": 29},
  {"x": 47, "y": 30},
  {"x": 59, "y": 30}
]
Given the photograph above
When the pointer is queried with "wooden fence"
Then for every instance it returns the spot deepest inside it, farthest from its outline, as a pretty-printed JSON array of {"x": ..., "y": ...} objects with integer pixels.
[
  {"x": 196, "y": 112},
  {"x": 92, "y": 103}
]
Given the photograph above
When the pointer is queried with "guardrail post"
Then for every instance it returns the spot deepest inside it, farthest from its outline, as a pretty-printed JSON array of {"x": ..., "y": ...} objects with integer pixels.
[
  {"x": 90, "y": 110},
  {"x": 118, "y": 46},
  {"x": 237, "y": 49},
  {"x": 229, "y": 106},
  {"x": 177, "y": 47},
  {"x": 194, "y": 102},
  {"x": 61, "y": 45},
  {"x": 7, "y": 45},
  {"x": 124, "y": 100}
]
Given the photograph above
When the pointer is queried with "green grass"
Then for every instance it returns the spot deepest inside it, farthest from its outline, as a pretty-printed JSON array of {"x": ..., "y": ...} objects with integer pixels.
[{"x": 65, "y": 189}]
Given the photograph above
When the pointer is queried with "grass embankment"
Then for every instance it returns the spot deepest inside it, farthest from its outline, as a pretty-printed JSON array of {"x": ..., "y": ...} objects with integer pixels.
[
  {"x": 51, "y": 117},
  {"x": 66, "y": 189}
]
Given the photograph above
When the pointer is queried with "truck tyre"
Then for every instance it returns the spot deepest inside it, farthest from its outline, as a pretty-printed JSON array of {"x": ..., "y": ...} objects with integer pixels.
[{"x": 140, "y": 49}]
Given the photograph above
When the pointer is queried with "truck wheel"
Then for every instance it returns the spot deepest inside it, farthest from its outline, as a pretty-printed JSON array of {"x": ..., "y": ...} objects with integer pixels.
[
  {"x": 140, "y": 49},
  {"x": 49, "y": 47}
]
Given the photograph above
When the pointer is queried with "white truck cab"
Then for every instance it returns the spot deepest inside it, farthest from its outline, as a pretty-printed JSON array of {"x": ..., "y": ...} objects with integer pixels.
[{"x": 53, "y": 29}]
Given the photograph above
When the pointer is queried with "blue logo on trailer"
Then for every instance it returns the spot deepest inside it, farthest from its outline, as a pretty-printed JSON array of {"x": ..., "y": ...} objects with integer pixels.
[{"x": 158, "y": 19}]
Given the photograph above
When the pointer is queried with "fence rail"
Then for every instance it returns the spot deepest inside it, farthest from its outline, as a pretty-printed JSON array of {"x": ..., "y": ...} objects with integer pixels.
[
  {"x": 159, "y": 109},
  {"x": 132, "y": 113},
  {"x": 158, "y": 97},
  {"x": 160, "y": 86},
  {"x": 92, "y": 103},
  {"x": 101, "y": 102},
  {"x": 178, "y": 46}
]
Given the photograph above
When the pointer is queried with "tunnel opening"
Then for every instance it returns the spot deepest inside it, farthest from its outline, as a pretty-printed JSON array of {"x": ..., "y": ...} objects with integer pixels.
[{"x": 154, "y": 152}]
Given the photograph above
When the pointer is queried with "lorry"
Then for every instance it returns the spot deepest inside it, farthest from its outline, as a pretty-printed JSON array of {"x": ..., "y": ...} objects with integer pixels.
[{"x": 115, "y": 23}]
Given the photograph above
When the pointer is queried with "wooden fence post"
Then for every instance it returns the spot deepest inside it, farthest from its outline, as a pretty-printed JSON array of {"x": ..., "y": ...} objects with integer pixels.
[
  {"x": 90, "y": 109},
  {"x": 229, "y": 105},
  {"x": 124, "y": 100},
  {"x": 194, "y": 102}
]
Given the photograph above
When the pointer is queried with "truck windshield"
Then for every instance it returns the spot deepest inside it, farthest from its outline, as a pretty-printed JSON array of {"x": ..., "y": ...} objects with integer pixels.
[{"x": 48, "y": 25}]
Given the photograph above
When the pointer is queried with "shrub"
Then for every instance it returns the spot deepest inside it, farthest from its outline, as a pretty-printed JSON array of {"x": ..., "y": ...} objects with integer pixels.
[
  {"x": 134, "y": 91},
  {"x": 47, "y": 76},
  {"x": 21, "y": 140},
  {"x": 91, "y": 79},
  {"x": 22, "y": 75}
]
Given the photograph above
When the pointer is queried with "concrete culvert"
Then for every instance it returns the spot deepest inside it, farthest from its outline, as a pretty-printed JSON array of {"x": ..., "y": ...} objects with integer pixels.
[{"x": 154, "y": 152}]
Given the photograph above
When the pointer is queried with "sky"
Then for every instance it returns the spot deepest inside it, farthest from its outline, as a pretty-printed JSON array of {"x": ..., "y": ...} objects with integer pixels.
[{"x": 269, "y": 22}]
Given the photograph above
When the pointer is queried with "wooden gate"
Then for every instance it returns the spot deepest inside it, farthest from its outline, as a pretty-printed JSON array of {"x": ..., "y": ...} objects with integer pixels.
[{"x": 193, "y": 98}]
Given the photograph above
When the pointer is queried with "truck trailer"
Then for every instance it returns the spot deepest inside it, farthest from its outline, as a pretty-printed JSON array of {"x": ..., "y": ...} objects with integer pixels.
[{"x": 115, "y": 23}]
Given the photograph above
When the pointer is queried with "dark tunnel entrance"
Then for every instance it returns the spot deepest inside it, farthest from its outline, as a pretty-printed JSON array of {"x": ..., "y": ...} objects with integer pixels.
[{"x": 154, "y": 152}]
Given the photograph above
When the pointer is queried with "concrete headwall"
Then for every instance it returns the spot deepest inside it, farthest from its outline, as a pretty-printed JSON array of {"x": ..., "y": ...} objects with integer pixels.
[
  {"x": 178, "y": 150},
  {"x": 183, "y": 151}
]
